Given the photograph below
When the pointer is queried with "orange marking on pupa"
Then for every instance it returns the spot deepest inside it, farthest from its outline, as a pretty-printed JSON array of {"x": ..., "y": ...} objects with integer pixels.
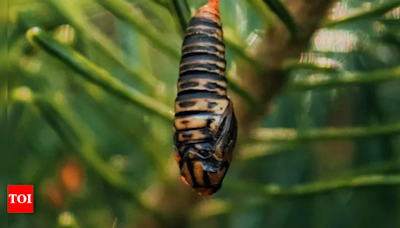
[
  {"x": 212, "y": 6},
  {"x": 177, "y": 158}
]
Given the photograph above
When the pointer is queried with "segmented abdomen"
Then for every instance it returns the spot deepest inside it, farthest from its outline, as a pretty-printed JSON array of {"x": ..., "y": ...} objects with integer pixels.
[
  {"x": 205, "y": 125},
  {"x": 202, "y": 83}
]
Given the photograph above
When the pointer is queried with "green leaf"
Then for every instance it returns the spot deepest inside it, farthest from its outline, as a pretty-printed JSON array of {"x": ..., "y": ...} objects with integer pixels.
[
  {"x": 283, "y": 14},
  {"x": 262, "y": 11},
  {"x": 75, "y": 16},
  {"x": 121, "y": 9},
  {"x": 342, "y": 79},
  {"x": 76, "y": 134},
  {"x": 376, "y": 12},
  {"x": 274, "y": 190},
  {"x": 182, "y": 11},
  {"x": 318, "y": 134},
  {"x": 96, "y": 74},
  {"x": 240, "y": 49},
  {"x": 243, "y": 93}
]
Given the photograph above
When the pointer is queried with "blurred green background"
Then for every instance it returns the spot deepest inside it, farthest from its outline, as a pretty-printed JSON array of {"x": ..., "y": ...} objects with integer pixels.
[{"x": 91, "y": 86}]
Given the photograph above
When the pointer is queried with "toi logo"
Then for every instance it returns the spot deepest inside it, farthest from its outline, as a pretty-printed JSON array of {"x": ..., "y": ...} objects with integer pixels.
[{"x": 20, "y": 198}]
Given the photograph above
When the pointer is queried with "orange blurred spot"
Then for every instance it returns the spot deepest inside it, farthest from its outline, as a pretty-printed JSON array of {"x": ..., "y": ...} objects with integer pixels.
[
  {"x": 72, "y": 175},
  {"x": 212, "y": 7},
  {"x": 54, "y": 195},
  {"x": 205, "y": 191},
  {"x": 213, "y": 3},
  {"x": 177, "y": 158},
  {"x": 184, "y": 180}
]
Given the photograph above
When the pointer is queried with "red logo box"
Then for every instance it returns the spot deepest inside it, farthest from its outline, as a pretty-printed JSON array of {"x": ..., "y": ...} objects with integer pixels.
[{"x": 20, "y": 198}]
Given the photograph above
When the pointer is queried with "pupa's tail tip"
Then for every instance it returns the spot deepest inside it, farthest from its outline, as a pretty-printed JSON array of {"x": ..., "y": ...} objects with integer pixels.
[{"x": 213, "y": 3}]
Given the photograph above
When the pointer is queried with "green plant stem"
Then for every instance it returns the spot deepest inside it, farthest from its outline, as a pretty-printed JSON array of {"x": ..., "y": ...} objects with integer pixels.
[
  {"x": 378, "y": 11},
  {"x": 242, "y": 93},
  {"x": 232, "y": 42},
  {"x": 91, "y": 33},
  {"x": 96, "y": 74},
  {"x": 121, "y": 10},
  {"x": 343, "y": 79},
  {"x": 293, "y": 135},
  {"x": 181, "y": 9},
  {"x": 283, "y": 14},
  {"x": 259, "y": 150},
  {"x": 80, "y": 138},
  {"x": 240, "y": 50},
  {"x": 262, "y": 10},
  {"x": 273, "y": 190},
  {"x": 292, "y": 65},
  {"x": 151, "y": 148}
]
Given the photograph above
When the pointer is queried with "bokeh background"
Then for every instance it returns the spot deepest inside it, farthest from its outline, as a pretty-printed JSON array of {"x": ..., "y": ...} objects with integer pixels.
[{"x": 91, "y": 86}]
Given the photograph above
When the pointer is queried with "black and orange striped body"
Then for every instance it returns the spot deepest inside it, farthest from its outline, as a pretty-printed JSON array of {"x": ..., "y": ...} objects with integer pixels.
[{"x": 205, "y": 124}]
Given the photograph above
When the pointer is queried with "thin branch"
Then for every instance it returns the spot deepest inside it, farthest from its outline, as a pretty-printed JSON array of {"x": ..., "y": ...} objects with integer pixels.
[
  {"x": 281, "y": 46},
  {"x": 80, "y": 138},
  {"x": 96, "y": 74},
  {"x": 345, "y": 79},
  {"x": 292, "y": 135},
  {"x": 376, "y": 12},
  {"x": 283, "y": 14},
  {"x": 295, "y": 65},
  {"x": 77, "y": 19},
  {"x": 262, "y": 10},
  {"x": 274, "y": 190},
  {"x": 182, "y": 11},
  {"x": 240, "y": 50},
  {"x": 253, "y": 151},
  {"x": 242, "y": 93},
  {"x": 120, "y": 9}
]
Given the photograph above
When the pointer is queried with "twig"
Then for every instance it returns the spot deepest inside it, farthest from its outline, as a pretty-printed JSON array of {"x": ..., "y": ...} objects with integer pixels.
[
  {"x": 378, "y": 11},
  {"x": 344, "y": 79},
  {"x": 292, "y": 135},
  {"x": 275, "y": 191},
  {"x": 120, "y": 9},
  {"x": 81, "y": 23},
  {"x": 278, "y": 47},
  {"x": 240, "y": 50},
  {"x": 96, "y": 74},
  {"x": 328, "y": 186},
  {"x": 282, "y": 13},
  {"x": 80, "y": 138},
  {"x": 262, "y": 10},
  {"x": 242, "y": 92},
  {"x": 295, "y": 65}
]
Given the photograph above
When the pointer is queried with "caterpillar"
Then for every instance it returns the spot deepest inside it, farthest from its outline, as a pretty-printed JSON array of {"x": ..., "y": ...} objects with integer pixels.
[{"x": 205, "y": 126}]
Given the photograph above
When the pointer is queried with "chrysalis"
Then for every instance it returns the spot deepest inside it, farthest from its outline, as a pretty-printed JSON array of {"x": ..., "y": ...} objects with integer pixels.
[{"x": 205, "y": 124}]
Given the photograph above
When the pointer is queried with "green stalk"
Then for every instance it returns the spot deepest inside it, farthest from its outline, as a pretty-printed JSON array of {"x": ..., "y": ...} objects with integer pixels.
[
  {"x": 73, "y": 15},
  {"x": 273, "y": 190},
  {"x": 283, "y": 14},
  {"x": 242, "y": 93},
  {"x": 292, "y": 65},
  {"x": 80, "y": 138},
  {"x": 121, "y": 9},
  {"x": 240, "y": 50},
  {"x": 260, "y": 7},
  {"x": 293, "y": 135},
  {"x": 344, "y": 79},
  {"x": 376, "y": 12},
  {"x": 96, "y": 74}
]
